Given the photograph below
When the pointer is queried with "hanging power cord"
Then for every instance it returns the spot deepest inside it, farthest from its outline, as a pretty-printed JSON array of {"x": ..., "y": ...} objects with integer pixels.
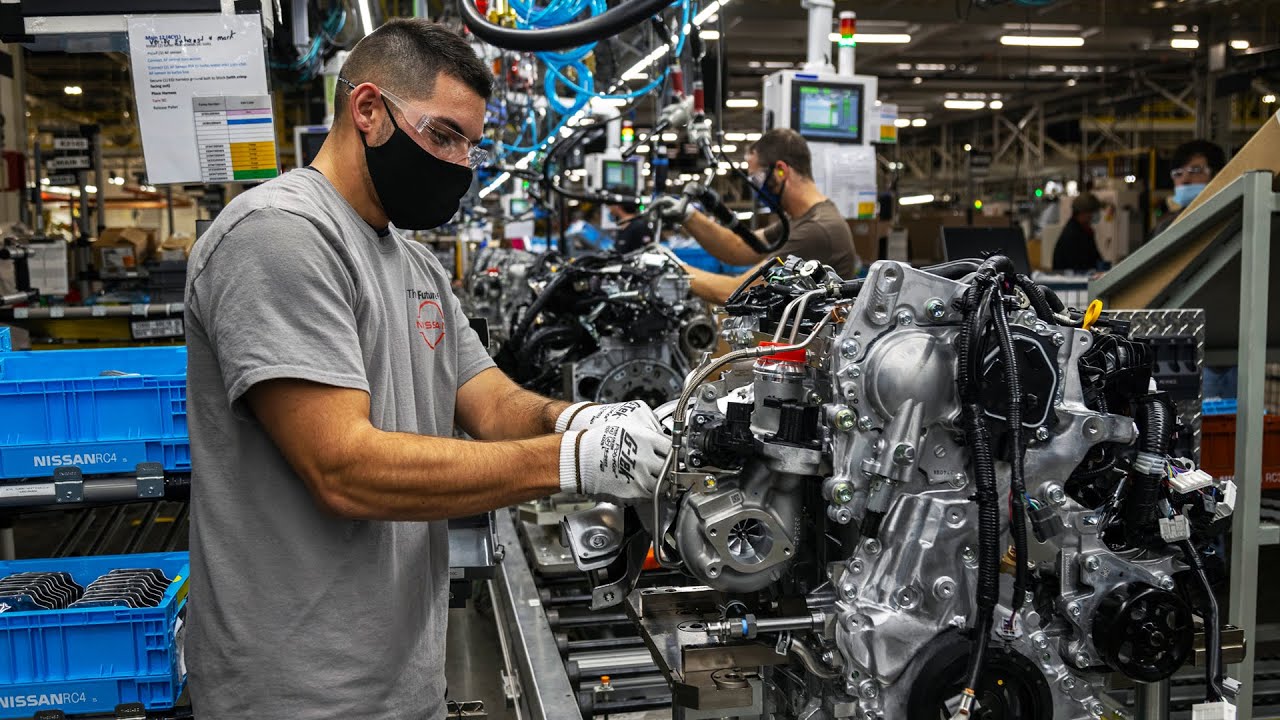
[{"x": 593, "y": 29}]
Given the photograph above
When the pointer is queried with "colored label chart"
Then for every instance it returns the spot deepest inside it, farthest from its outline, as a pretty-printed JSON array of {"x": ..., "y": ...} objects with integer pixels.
[{"x": 235, "y": 138}]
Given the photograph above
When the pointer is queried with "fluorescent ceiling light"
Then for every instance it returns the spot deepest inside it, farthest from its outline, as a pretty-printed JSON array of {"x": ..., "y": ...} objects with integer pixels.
[
  {"x": 91, "y": 189},
  {"x": 902, "y": 122},
  {"x": 1239, "y": 44},
  {"x": 1025, "y": 28},
  {"x": 875, "y": 38},
  {"x": 1048, "y": 68},
  {"x": 642, "y": 149},
  {"x": 742, "y": 103},
  {"x": 754, "y": 136},
  {"x": 727, "y": 148},
  {"x": 917, "y": 80},
  {"x": 931, "y": 67},
  {"x": 963, "y": 104},
  {"x": 904, "y": 66},
  {"x": 1179, "y": 28},
  {"x": 744, "y": 214},
  {"x": 1071, "y": 82},
  {"x": 996, "y": 104},
  {"x": 735, "y": 137},
  {"x": 44, "y": 181},
  {"x": 73, "y": 90},
  {"x": 918, "y": 122},
  {"x": 670, "y": 137},
  {"x": 1268, "y": 98},
  {"x": 710, "y": 34},
  {"x": 1184, "y": 43},
  {"x": 1041, "y": 40},
  {"x": 915, "y": 199}
]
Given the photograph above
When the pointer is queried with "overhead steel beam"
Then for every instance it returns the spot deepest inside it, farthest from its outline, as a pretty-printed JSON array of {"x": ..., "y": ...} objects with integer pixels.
[{"x": 1175, "y": 99}]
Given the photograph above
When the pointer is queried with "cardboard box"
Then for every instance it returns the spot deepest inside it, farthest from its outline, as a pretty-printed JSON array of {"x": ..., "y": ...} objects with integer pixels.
[
  {"x": 1262, "y": 152},
  {"x": 866, "y": 238},
  {"x": 177, "y": 247},
  {"x": 123, "y": 250}
]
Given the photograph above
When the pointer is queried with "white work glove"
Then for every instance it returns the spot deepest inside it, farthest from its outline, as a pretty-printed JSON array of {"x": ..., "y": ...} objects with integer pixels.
[
  {"x": 673, "y": 209},
  {"x": 583, "y": 415},
  {"x": 612, "y": 462}
]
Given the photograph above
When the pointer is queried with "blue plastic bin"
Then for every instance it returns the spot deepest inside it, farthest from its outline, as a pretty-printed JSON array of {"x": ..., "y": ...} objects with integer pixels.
[
  {"x": 89, "y": 660},
  {"x": 103, "y": 411},
  {"x": 1218, "y": 406},
  {"x": 6, "y": 341}
]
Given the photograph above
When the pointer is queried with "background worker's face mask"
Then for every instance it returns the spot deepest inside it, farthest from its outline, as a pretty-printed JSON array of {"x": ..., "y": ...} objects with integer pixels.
[
  {"x": 417, "y": 190},
  {"x": 760, "y": 179},
  {"x": 1184, "y": 194}
]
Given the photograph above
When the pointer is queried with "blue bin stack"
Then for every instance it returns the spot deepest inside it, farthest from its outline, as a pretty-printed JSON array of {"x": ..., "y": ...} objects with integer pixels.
[{"x": 89, "y": 660}]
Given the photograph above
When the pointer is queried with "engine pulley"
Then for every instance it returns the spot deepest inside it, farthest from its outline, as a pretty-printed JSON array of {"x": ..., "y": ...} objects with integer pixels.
[
  {"x": 1144, "y": 632},
  {"x": 1011, "y": 686}
]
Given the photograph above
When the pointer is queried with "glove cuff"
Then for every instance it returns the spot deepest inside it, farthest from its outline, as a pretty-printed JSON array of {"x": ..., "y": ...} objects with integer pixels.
[
  {"x": 570, "y": 472},
  {"x": 565, "y": 421}
]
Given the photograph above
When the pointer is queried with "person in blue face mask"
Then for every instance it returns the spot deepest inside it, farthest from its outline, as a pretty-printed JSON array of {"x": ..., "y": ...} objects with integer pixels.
[{"x": 1193, "y": 165}]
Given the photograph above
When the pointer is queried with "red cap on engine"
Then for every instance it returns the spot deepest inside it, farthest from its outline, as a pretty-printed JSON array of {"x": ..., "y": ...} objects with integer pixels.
[{"x": 799, "y": 355}]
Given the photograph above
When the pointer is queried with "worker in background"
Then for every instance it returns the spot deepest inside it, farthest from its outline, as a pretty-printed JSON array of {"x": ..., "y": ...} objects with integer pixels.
[
  {"x": 780, "y": 167},
  {"x": 328, "y": 364},
  {"x": 1193, "y": 165},
  {"x": 634, "y": 230},
  {"x": 1077, "y": 248}
]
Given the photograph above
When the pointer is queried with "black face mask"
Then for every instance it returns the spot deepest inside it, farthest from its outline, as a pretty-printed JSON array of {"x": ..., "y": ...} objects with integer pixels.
[{"x": 418, "y": 190}]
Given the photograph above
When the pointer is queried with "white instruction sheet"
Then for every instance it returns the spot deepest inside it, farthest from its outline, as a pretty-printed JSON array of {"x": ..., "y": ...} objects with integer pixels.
[{"x": 177, "y": 58}]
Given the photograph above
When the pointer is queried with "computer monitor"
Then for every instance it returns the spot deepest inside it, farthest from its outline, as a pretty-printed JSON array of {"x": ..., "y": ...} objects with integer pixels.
[
  {"x": 827, "y": 111},
  {"x": 621, "y": 177},
  {"x": 959, "y": 243},
  {"x": 307, "y": 140}
]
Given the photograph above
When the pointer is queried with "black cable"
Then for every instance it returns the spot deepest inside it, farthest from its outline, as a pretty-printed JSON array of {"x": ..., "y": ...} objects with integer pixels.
[
  {"x": 1212, "y": 630},
  {"x": 978, "y": 301},
  {"x": 755, "y": 275},
  {"x": 593, "y": 29},
  {"x": 1017, "y": 450},
  {"x": 1039, "y": 301}
]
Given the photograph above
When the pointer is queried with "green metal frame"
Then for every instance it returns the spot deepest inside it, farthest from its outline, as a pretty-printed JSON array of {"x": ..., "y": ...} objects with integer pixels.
[{"x": 1248, "y": 204}]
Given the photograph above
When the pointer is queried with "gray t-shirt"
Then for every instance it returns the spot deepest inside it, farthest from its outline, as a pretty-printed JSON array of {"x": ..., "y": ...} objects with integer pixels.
[{"x": 294, "y": 612}]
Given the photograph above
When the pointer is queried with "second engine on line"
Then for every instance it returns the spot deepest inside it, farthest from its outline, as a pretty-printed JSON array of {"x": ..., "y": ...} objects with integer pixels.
[
  {"x": 606, "y": 328},
  {"x": 939, "y": 494}
]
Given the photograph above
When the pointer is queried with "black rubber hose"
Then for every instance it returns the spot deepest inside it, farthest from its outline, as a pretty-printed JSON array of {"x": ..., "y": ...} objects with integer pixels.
[
  {"x": 1039, "y": 302},
  {"x": 850, "y": 288},
  {"x": 1017, "y": 482},
  {"x": 1155, "y": 426},
  {"x": 517, "y": 335},
  {"x": 1212, "y": 630},
  {"x": 1051, "y": 296},
  {"x": 756, "y": 275},
  {"x": 594, "y": 29},
  {"x": 997, "y": 264}
]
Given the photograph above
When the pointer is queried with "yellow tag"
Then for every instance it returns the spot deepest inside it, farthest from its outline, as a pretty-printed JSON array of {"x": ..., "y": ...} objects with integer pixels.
[{"x": 1092, "y": 313}]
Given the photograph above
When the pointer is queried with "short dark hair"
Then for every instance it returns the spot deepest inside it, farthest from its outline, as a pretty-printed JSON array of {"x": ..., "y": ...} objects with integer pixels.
[
  {"x": 1212, "y": 153},
  {"x": 406, "y": 55},
  {"x": 629, "y": 208},
  {"x": 784, "y": 145}
]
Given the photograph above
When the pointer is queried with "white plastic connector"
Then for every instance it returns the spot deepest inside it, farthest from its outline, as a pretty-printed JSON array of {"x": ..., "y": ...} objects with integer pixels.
[
  {"x": 1220, "y": 710},
  {"x": 1191, "y": 481},
  {"x": 1227, "y": 505},
  {"x": 1175, "y": 529}
]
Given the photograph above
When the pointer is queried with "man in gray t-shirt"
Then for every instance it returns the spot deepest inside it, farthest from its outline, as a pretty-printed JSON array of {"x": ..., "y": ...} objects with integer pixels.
[{"x": 328, "y": 365}]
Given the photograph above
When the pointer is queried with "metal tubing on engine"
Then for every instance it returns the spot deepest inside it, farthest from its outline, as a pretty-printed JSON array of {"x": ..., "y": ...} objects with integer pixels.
[{"x": 682, "y": 409}]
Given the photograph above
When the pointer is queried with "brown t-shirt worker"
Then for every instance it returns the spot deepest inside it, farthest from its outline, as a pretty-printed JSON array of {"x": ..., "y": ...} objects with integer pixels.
[
  {"x": 820, "y": 233},
  {"x": 781, "y": 169}
]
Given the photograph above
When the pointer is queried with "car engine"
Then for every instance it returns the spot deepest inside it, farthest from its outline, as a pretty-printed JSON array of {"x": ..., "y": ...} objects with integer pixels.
[
  {"x": 497, "y": 286},
  {"x": 605, "y": 328},
  {"x": 930, "y": 493}
]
